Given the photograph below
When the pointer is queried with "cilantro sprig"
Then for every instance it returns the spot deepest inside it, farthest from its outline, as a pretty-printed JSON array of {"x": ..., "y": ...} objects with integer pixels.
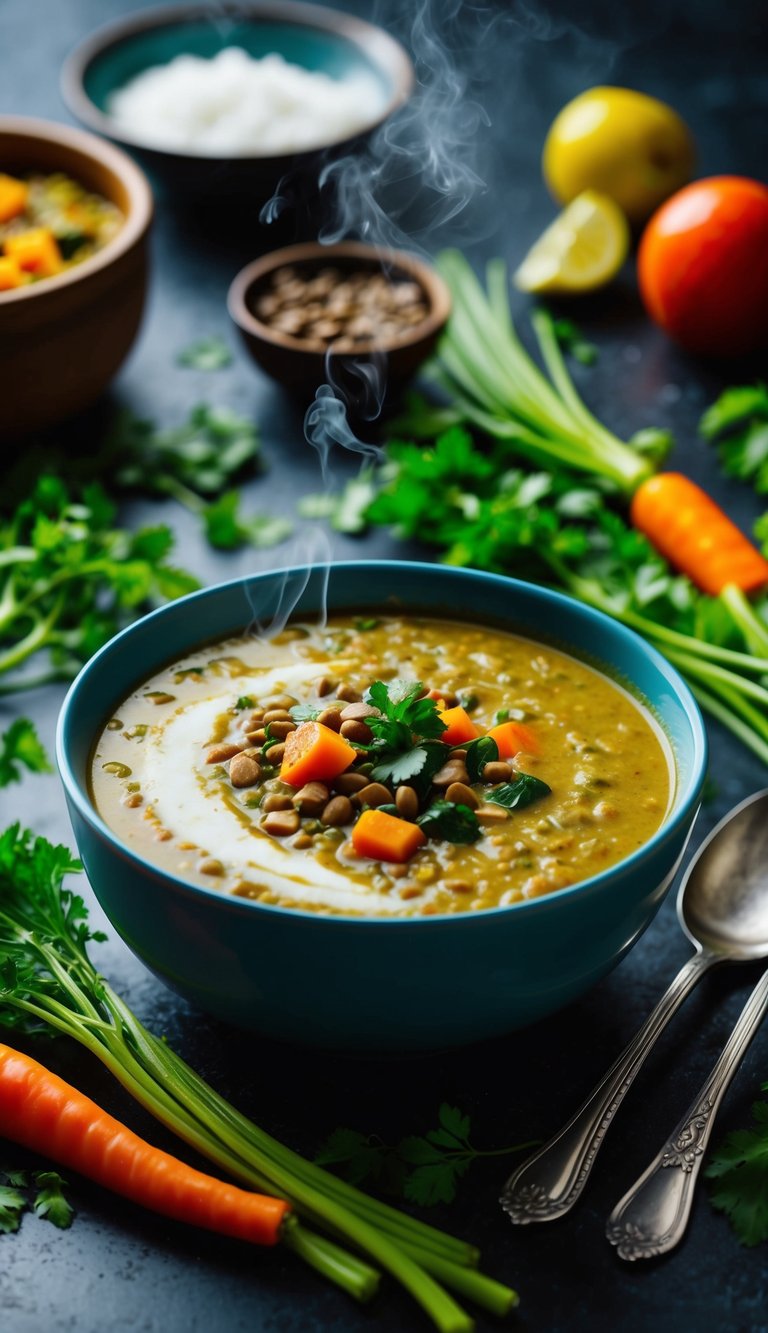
[
  {"x": 739, "y": 1170},
  {"x": 523, "y": 790},
  {"x": 424, "y": 1169},
  {"x": 406, "y": 730},
  {"x": 70, "y": 578},
  {"x": 43, "y": 1194},
  {"x": 21, "y": 745},
  {"x": 451, "y": 823}
]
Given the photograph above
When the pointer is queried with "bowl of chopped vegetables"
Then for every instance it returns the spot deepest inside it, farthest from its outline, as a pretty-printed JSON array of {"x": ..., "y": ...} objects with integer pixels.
[
  {"x": 311, "y": 312},
  {"x": 381, "y": 806},
  {"x": 74, "y": 217},
  {"x": 235, "y": 98}
]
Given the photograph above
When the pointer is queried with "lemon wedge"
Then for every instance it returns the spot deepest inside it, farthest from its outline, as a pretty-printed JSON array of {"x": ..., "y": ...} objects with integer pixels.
[{"x": 583, "y": 249}]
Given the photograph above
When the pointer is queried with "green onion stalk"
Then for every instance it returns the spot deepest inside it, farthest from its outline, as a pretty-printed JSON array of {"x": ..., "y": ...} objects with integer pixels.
[
  {"x": 49, "y": 984},
  {"x": 495, "y": 385}
]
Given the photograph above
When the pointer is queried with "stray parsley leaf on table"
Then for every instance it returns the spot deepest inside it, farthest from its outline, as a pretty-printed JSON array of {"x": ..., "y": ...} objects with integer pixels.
[
  {"x": 573, "y": 342},
  {"x": 20, "y": 744},
  {"x": 12, "y": 1204},
  {"x": 739, "y": 1169},
  {"x": 210, "y": 353},
  {"x": 227, "y": 529},
  {"x": 737, "y": 423},
  {"x": 423, "y": 1169},
  {"x": 50, "y": 1202}
]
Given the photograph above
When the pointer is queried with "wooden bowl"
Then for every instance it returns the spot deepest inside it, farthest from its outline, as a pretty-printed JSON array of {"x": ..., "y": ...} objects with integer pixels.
[
  {"x": 301, "y": 364},
  {"x": 64, "y": 337},
  {"x": 309, "y": 35}
]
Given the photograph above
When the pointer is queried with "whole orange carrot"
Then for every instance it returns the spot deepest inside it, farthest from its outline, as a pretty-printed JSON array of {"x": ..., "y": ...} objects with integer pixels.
[
  {"x": 694, "y": 534},
  {"x": 40, "y": 1111}
]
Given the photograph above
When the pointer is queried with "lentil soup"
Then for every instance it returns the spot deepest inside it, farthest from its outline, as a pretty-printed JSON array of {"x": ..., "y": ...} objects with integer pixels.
[{"x": 383, "y": 766}]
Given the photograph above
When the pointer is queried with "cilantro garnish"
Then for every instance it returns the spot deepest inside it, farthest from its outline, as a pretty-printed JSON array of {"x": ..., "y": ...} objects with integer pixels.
[
  {"x": 243, "y": 702},
  {"x": 425, "y": 1170},
  {"x": 20, "y": 744},
  {"x": 13, "y": 1200},
  {"x": 737, "y": 422},
  {"x": 364, "y": 623},
  {"x": 524, "y": 790},
  {"x": 405, "y": 747}
]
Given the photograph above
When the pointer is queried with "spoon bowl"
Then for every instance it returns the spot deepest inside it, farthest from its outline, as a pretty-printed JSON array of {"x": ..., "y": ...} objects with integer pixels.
[{"x": 722, "y": 904}]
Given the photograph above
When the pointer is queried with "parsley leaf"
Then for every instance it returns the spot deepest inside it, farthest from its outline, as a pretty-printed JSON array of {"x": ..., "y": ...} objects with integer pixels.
[
  {"x": 451, "y": 823},
  {"x": 423, "y": 1169},
  {"x": 49, "y": 1202},
  {"x": 12, "y": 1205},
  {"x": 20, "y": 745},
  {"x": 572, "y": 341},
  {"x": 69, "y": 579},
  {"x": 227, "y": 529},
  {"x": 740, "y": 1169},
  {"x": 522, "y": 791},
  {"x": 737, "y": 422},
  {"x": 243, "y": 702},
  {"x": 211, "y": 353}
]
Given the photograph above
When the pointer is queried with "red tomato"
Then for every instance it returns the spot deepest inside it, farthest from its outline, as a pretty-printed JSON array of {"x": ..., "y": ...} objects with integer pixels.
[{"x": 703, "y": 266}]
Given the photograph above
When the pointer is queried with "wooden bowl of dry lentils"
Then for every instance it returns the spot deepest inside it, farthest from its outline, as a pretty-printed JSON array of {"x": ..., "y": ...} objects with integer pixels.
[{"x": 309, "y": 309}]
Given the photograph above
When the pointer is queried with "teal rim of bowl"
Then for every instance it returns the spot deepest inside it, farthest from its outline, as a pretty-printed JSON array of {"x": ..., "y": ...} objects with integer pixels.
[
  {"x": 556, "y": 600},
  {"x": 313, "y": 36}
]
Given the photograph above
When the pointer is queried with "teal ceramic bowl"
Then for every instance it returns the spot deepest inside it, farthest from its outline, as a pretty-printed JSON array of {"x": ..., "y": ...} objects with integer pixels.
[
  {"x": 318, "y": 39},
  {"x": 376, "y": 984}
]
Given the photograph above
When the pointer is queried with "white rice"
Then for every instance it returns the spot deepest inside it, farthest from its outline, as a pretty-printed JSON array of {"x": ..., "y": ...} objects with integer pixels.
[{"x": 235, "y": 105}]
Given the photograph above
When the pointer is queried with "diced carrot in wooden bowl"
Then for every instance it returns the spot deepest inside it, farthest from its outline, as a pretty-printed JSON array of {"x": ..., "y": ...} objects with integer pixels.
[
  {"x": 315, "y": 753},
  {"x": 384, "y": 837},
  {"x": 35, "y": 251},
  {"x": 10, "y": 274},
  {"x": 13, "y": 197}
]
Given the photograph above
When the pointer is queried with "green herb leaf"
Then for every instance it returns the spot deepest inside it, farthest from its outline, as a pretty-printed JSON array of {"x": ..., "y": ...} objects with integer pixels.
[
  {"x": 12, "y": 1205},
  {"x": 20, "y": 745},
  {"x": 739, "y": 1168},
  {"x": 449, "y": 822},
  {"x": 480, "y": 752},
  {"x": 515, "y": 795},
  {"x": 420, "y": 762},
  {"x": 227, "y": 529},
  {"x": 205, "y": 454},
  {"x": 304, "y": 712},
  {"x": 210, "y": 353},
  {"x": 364, "y": 623},
  {"x": 572, "y": 341},
  {"x": 50, "y": 1202},
  {"x": 244, "y": 701}
]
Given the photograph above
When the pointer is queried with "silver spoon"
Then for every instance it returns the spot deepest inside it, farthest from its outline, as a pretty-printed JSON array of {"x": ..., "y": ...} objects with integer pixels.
[
  {"x": 722, "y": 906},
  {"x": 653, "y": 1214}
]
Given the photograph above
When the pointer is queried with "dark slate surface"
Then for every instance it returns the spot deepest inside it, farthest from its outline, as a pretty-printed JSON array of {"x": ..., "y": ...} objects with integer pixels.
[{"x": 120, "y": 1269}]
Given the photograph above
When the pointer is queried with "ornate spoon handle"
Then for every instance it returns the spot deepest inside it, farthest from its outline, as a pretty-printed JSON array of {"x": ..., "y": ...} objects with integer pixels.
[
  {"x": 653, "y": 1215},
  {"x": 548, "y": 1184}
]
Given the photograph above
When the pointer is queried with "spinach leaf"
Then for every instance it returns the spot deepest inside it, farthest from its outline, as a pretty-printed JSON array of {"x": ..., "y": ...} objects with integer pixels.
[
  {"x": 479, "y": 753},
  {"x": 524, "y": 790},
  {"x": 451, "y": 823}
]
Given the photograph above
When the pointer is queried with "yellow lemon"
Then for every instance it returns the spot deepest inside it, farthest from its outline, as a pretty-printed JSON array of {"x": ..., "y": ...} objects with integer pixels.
[
  {"x": 583, "y": 248},
  {"x": 629, "y": 146}
]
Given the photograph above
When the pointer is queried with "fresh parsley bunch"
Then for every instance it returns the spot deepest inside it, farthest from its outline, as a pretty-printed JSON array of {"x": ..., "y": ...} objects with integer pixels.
[{"x": 69, "y": 579}]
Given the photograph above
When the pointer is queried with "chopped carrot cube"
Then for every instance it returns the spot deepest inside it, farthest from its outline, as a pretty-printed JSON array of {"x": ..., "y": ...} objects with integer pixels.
[
  {"x": 35, "y": 251},
  {"x": 459, "y": 726},
  {"x": 10, "y": 274},
  {"x": 314, "y": 753},
  {"x": 384, "y": 837},
  {"x": 511, "y": 737},
  {"x": 13, "y": 197}
]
